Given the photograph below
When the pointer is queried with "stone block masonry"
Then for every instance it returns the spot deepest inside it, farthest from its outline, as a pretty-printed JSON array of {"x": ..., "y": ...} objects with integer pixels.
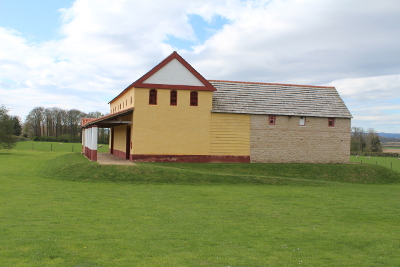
[{"x": 288, "y": 142}]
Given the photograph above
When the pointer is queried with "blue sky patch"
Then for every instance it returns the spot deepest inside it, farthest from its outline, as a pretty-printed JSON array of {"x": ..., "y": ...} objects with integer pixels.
[
  {"x": 36, "y": 20},
  {"x": 202, "y": 29}
]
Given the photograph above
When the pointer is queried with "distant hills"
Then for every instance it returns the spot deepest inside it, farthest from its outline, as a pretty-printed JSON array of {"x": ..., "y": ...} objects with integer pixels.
[{"x": 390, "y": 135}]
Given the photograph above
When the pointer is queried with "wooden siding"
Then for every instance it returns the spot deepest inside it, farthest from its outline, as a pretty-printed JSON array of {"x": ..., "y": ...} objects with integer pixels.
[{"x": 230, "y": 134}]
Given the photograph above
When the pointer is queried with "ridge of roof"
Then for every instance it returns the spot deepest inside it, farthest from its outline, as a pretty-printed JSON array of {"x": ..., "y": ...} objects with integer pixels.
[
  {"x": 278, "y": 99},
  {"x": 263, "y": 83}
]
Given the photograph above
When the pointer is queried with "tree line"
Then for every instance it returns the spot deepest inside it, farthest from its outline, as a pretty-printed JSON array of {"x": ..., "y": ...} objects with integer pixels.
[
  {"x": 364, "y": 141},
  {"x": 59, "y": 125}
]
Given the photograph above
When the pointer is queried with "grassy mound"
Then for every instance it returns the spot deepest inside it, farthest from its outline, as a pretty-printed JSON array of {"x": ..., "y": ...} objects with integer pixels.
[{"x": 75, "y": 167}]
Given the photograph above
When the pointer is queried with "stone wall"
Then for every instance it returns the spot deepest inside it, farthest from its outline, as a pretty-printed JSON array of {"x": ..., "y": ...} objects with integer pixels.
[{"x": 287, "y": 142}]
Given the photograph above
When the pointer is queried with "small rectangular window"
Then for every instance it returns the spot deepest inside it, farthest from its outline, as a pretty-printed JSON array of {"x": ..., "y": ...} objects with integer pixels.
[
  {"x": 173, "y": 98},
  {"x": 194, "y": 101},
  {"x": 302, "y": 121},
  {"x": 153, "y": 97},
  {"x": 272, "y": 120},
  {"x": 331, "y": 122}
]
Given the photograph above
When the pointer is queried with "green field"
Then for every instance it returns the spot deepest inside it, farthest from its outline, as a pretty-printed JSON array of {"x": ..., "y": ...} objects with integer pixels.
[
  {"x": 59, "y": 209},
  {"x": 388, "y": 162},
  {"x": 55, "y": 146}
]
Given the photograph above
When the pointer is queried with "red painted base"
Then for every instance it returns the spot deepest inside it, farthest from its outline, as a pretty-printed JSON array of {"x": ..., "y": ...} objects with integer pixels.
[
  {"x": 119, "y": 154},
  {"x": 190, "y": 158},
  {"x": 90, "y": 154}
]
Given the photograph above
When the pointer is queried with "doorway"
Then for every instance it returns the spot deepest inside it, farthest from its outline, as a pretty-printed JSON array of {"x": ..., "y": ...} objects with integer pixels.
[
  {"x": 112, "y": 141},
  {"x": 128, "y": 143}
]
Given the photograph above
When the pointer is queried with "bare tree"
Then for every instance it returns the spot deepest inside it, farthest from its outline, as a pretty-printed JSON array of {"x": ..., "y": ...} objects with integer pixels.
[
  {"x": 362, "y": 141},
  {"x": 58, "y": 124},
  {"x": 35, "y": 122},
  {"x": 373, "y": 143}
]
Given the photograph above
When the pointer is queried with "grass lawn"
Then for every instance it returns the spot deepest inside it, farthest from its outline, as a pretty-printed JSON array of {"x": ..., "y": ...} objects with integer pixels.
[
  {"x": 59, "y": 209},
  {"x": 388, "y": 162},
  {"x": 55, "y": 146}
]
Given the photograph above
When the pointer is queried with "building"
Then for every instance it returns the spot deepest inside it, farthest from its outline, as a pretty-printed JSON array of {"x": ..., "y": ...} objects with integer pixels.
[{"x": 173, "y": 114}]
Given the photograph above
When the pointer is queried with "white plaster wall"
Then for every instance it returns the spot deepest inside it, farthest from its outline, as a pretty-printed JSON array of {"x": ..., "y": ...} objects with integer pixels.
[{"x": 174, "y": 73}]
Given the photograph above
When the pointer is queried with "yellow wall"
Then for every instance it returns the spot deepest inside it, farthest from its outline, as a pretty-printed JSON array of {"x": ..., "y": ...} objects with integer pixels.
[
  {"x": 124, "y": 101},
  {"x": 171, "y": 130},
  {"x": 230, "y": 134},
  {"x": 120, "y": 134},
  {"x": 119, "y": 138}
]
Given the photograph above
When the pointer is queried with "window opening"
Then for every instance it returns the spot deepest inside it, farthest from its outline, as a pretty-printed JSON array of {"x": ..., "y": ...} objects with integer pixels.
[
  {"x": 331, "y": 122},
  {"x": 173, "y": 98},
  {"x": 271, "y": 120},
  {"x": 153, "y": 97},
  {"x": 302, "y": 121},
  {"x": 194, "y": 101}
]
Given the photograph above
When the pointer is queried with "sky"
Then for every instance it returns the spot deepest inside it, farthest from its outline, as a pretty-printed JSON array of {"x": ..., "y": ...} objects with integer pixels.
[{"x": 81, "y": 54}]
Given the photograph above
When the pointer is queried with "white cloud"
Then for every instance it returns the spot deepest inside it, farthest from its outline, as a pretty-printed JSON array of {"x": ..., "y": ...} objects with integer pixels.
[
  {"x": 306, "y": 42},
  {"x": 370, "y": 88},
  {"x": 373, "y": 101},
  {"x": 105, "y": 45}
]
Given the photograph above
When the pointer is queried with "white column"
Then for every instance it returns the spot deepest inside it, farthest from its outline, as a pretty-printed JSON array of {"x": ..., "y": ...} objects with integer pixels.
[
  {"x": 86, "y": 142},
  {"x": 95, "y": 133}
]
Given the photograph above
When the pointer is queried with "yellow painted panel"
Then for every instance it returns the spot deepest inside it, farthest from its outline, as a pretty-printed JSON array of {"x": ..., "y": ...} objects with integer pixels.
[
  {"x": 120, "y": 138},
  {"x": 163, "y": 129},
  {"x": 230, "y": 134},
  {"x": 120, "y": 134},
  {"x": 124, "y": 101}
]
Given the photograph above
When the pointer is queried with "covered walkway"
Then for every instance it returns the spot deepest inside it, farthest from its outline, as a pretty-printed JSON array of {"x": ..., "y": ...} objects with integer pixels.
[
  {"x": 90, "y": 130},
  {"x": 110, "y": 159}
]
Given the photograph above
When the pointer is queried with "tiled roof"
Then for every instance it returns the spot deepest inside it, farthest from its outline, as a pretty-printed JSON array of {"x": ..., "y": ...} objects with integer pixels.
[
  {"x": 278, "y": 99},
  {"x": 86, "y": 122}
]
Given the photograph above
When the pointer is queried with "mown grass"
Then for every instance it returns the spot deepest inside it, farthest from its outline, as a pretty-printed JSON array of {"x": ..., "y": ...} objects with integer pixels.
[
  {"x": 47, "y": 220},
  {"x": 74, "y": 167}
]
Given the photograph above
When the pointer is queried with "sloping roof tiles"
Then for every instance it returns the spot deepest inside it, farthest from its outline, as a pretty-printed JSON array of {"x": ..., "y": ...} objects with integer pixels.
[{"x": 278, "y": 99}]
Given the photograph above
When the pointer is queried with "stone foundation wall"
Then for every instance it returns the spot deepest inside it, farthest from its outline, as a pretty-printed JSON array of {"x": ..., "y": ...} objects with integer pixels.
[{"x": 288, "y": 142}]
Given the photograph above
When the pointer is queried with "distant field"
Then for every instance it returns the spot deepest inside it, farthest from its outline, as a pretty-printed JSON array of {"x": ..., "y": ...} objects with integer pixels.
[{"x": 391, "y": 149}]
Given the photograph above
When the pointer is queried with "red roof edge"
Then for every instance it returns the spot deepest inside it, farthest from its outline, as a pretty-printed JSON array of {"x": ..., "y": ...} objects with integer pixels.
[
  {"x": 207, "y": 86},
  {"x": 86, "y": 121},
  {"x": 284, "y": 84},
  {"x": 139, "y": 83}
]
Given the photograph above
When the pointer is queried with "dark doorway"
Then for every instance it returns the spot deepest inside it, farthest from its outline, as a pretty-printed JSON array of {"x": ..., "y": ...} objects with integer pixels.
[
  {"x": 128, "y": 142},
  {"x": 112, "y": 141}
]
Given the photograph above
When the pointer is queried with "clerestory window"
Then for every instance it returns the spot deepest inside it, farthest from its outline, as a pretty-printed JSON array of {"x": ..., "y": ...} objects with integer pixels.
[
  {"x": 194, "y": 101},
  {"x": 153, "y": 97},
  {"x": 173, "y": 98}
]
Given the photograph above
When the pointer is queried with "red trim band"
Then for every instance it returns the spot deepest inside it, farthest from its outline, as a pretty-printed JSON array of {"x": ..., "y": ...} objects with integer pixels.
[{"x": 190, "y": 158}]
